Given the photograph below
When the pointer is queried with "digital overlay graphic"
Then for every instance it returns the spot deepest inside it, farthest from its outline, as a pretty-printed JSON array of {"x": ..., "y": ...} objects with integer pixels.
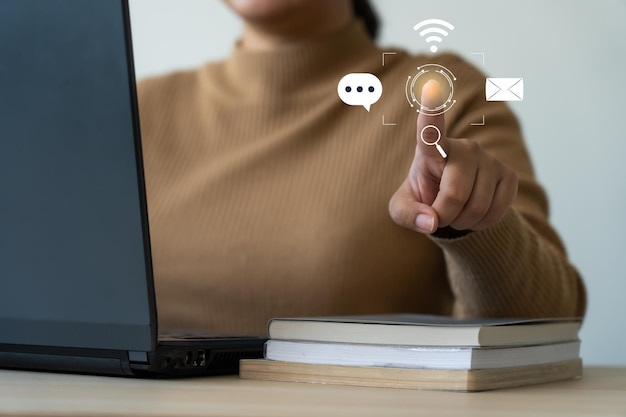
[
  {"x": 360, "y": 89},
  {"x": 428, "y": 130},
  {"x": 504, "y": 89},
  {"x": 425, "y": 73},
  {"x": 433, "y": 31}
]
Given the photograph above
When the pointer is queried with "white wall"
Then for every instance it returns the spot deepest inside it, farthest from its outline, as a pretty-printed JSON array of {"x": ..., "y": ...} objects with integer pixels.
[{"x": 572, "y": 56}]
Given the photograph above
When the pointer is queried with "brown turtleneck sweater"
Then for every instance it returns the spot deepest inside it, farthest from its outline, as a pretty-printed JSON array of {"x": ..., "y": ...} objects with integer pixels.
[{"x": 268, "y": 196}]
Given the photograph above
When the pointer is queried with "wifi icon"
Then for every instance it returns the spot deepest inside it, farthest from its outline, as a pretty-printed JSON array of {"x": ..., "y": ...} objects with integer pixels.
[{"x": 431, "y": 29}]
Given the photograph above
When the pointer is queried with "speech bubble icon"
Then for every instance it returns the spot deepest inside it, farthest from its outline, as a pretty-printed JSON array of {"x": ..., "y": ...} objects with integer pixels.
[{"x": 360, "y": 89}]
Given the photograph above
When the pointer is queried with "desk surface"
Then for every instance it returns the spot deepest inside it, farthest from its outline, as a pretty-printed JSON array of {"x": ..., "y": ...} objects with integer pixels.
[{"x": 601, "y": 392}]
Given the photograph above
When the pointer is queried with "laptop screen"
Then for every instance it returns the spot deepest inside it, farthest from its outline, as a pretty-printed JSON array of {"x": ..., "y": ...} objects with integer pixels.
[{"x": 73, "y": 268}]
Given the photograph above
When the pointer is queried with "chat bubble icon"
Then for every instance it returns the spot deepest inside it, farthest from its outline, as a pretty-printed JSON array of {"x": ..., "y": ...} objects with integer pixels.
[{"x": 360, "y": 89}]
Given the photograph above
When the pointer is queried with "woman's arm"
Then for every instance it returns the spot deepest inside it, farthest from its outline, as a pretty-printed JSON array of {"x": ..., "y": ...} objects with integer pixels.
[{"x": 482, "y": 205}]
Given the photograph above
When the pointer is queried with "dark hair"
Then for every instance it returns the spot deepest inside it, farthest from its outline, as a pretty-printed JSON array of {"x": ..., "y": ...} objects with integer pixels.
[{"x": 364, "y": 11}]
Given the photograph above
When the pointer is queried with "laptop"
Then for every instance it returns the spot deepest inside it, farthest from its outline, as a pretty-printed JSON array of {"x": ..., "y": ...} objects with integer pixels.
[{"x": 76, "y": 283}]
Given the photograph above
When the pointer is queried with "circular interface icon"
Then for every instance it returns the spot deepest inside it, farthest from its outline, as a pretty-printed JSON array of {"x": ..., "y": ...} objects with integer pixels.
[{"x": 425, "y": 73}]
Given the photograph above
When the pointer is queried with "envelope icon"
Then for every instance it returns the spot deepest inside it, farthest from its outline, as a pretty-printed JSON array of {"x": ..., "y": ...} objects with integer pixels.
[{"x": 504, "y": 89}]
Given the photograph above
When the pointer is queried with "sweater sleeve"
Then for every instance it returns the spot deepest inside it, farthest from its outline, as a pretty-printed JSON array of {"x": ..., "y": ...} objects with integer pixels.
[{"x": 517, "y": 267}]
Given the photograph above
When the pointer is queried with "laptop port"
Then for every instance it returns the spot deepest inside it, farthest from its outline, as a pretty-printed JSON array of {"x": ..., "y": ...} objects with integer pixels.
[
  {"x": 200, "y": 359},
  {"x": 187, "y": 359}
]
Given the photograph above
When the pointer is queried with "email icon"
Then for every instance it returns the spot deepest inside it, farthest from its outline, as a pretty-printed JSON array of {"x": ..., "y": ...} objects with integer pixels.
[{"x": 504, "y": 89}]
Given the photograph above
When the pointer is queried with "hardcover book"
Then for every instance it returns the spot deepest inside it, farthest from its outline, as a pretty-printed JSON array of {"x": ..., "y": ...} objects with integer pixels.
[
  {"x": 425, "y": 330},
  {"x": 430, "y": 379}
]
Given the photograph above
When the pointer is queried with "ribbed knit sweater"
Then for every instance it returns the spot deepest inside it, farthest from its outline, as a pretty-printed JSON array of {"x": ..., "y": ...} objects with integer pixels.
[{"x": 268, "y": 196}]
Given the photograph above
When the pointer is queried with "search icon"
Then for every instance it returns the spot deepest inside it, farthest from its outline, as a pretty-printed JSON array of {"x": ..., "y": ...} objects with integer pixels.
[{"x": 434, "y": 143}]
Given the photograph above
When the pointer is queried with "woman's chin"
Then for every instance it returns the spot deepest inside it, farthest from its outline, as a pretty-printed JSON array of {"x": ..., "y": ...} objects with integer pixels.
[{"x": 264, "y": 9}]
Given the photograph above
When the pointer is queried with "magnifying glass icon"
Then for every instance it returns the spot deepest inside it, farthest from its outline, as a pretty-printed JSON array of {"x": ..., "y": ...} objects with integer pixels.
[{"x": 435, "y": 143}]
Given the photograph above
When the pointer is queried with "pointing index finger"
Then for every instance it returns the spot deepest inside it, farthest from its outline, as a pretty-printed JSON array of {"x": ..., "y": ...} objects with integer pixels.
[{"x": 431, "y": 128}]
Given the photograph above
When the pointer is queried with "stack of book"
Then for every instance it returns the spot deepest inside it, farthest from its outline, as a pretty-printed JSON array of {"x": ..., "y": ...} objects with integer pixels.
[{"x": 418, "y": 351}]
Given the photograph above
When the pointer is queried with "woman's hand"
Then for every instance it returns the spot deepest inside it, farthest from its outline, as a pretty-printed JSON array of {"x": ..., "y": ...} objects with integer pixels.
[{"x": 452, "y": 182}]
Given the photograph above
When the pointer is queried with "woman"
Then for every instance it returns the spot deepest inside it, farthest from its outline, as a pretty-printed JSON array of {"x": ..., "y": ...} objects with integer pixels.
[{"x": 270, "y": 197}]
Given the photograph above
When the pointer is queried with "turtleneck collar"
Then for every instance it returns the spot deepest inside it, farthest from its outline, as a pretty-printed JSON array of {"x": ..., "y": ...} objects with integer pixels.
[{"x": 296, "y": 66}]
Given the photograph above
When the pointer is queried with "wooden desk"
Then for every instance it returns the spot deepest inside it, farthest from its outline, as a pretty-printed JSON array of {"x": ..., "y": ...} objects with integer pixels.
[{"x": 601, "y": 392}]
